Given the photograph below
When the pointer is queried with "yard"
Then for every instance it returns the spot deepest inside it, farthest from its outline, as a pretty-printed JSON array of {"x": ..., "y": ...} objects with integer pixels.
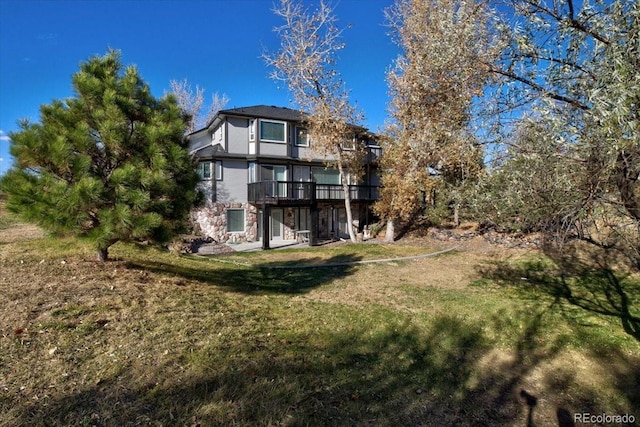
[{"x": 483, "y": 335}]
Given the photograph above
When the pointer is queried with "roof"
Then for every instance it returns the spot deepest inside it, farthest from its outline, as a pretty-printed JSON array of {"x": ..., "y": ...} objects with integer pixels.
[
  {"x": 266, "y": 112},
  {"x": 263, "y": 112}
]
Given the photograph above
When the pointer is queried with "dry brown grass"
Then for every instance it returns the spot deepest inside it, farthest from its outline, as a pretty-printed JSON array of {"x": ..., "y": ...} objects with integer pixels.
[{"x": 156, "y": 339}]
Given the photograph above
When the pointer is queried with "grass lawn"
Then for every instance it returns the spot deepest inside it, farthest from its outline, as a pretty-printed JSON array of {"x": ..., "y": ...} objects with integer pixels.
[{"x": 473, "y": 337}]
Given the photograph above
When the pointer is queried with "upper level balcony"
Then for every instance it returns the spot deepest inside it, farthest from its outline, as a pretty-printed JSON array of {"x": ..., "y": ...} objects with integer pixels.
[{"x": 295, "y": 193}]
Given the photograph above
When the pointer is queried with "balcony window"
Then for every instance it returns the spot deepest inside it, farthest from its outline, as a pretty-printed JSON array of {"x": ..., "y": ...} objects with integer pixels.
[
  {"x": 235, "y": 220},
  {"x": 272, "y": 131},
  {"x": 326, "y": 176},
  {"x": 302, "y": 137}
]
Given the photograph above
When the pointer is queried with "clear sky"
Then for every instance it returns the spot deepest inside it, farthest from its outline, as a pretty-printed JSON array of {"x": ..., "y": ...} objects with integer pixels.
[{"x": 215, "y": 44}]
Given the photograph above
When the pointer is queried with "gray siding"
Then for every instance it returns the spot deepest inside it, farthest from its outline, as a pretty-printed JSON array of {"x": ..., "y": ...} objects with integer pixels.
[
  {"x": 273, "y": 149},
  {"x": 237, "y": 135},
  {"x": 233, "y": 187},
  {"x": 206, "y": 186},
  {"x": 305, "y": 153}
]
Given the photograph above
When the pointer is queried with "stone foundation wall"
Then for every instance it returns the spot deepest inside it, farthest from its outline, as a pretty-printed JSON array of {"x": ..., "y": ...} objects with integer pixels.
[{"x": 211, "y": 221}]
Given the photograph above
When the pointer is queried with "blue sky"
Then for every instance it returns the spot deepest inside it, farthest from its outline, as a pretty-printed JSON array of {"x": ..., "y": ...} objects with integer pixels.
[{"x": 215, "y": 44}]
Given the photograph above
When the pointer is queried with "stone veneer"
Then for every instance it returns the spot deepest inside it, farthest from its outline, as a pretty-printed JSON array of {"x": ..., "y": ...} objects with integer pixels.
[{"x": 211, "y": 221}]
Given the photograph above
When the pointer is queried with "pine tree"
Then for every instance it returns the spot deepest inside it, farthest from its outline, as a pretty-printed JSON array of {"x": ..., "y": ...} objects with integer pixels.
[{"x": 110, "y": 164}]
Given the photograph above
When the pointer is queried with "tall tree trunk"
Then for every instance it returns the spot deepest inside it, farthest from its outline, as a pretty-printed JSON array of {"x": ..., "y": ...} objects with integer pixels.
[
  {"x": 389, "y": 235},
  {"x": 456, "y": 214},
  {"x": 347, "y": 202}
]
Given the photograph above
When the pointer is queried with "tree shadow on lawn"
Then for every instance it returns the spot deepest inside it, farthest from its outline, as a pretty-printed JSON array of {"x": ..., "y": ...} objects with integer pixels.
[
  {"x": 274, "y": 277},
  {"x": 575, "y": 283},
  {"x": 581, "y": 289},
  {"x": 396, "y": 375}
]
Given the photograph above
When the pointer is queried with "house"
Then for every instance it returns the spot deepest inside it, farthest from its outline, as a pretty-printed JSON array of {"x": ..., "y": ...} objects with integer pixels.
[{"x": 261, "y": 179}]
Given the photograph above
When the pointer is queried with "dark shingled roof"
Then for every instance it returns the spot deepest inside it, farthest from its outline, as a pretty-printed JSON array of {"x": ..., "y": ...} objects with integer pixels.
[{"x": 266, "y": 112}]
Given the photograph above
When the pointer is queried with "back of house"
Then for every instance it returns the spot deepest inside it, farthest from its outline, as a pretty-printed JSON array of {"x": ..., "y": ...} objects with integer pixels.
[{"x": 262, "y": 180}]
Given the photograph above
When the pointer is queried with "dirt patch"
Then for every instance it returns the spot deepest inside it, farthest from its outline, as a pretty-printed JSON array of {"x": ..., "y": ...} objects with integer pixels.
[{"x": 20, "y": 233}]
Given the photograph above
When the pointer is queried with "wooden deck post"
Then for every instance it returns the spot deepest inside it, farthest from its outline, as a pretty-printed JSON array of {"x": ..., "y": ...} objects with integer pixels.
[
  {"x": 266, "y": 229},
  {"x": 313, "y": 230}
]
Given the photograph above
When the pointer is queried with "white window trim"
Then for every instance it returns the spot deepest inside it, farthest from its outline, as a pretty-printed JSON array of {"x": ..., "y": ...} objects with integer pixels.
[
  {"x": 352, "y": 145},
  {"x": 296, "y": 143},
  {"x": 244, "y": 219},
  {"x": 272, "y": 140},
  {"x": 199, "y": 170},
  {"x": 252, "y": 171},
  {"x": 252, "y": 130},
  {"x": 217, "y": 170}
]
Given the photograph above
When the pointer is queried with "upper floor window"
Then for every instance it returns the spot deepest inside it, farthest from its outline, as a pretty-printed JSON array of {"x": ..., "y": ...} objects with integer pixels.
[
  {"x": 271, "y": 131},
  {"x": 349, "y": 144},
  {"x": 252, "y": 129},
  {"x": 326, "y": 175},
  {"x": 302, "y": 137}
]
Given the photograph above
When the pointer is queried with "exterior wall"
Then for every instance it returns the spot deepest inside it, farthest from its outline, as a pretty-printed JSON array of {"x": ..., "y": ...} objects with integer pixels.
[
  {"x": 211, "y": 221},
  {"x": 238, "y": 135},
  {"x": 304, "y": 153},
  {"x": 273, "y": 149},
  {"x": 218, "y": 136},
  {"x": 206, "y": 187},
  {"x": 233, "y": 187}
]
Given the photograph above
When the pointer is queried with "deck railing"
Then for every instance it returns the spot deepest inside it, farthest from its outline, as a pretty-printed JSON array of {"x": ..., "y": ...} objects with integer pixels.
[{"x": 301, "y": 192}]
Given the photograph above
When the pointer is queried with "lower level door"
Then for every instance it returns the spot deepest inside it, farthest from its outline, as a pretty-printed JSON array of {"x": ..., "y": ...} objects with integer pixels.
[{"x": 277, "y": 223}]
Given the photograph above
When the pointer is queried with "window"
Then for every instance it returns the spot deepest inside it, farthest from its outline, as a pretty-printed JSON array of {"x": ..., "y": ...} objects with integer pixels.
[
  {"x": 204, "y": 170},
  {"x": 302, "y": 137},
  {"x": 235, "y": 220},
  {"x": 252, "y": 172},
  {"x": 218, "y": 170},
  {"x": 326, "y": 176},
  {"x": 349, "y": 144},
  {"x": 252, "y": 130},
  {"x": 272, "y": 131},
  {"x": 303, "y": 219}
]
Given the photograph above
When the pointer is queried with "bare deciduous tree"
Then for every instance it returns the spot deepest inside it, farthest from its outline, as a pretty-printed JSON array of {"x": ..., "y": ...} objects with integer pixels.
[
  {"x": 306, "y": 62},
  {"x": 192, "y": 103},
  {"x": 445, "y": 45}
]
